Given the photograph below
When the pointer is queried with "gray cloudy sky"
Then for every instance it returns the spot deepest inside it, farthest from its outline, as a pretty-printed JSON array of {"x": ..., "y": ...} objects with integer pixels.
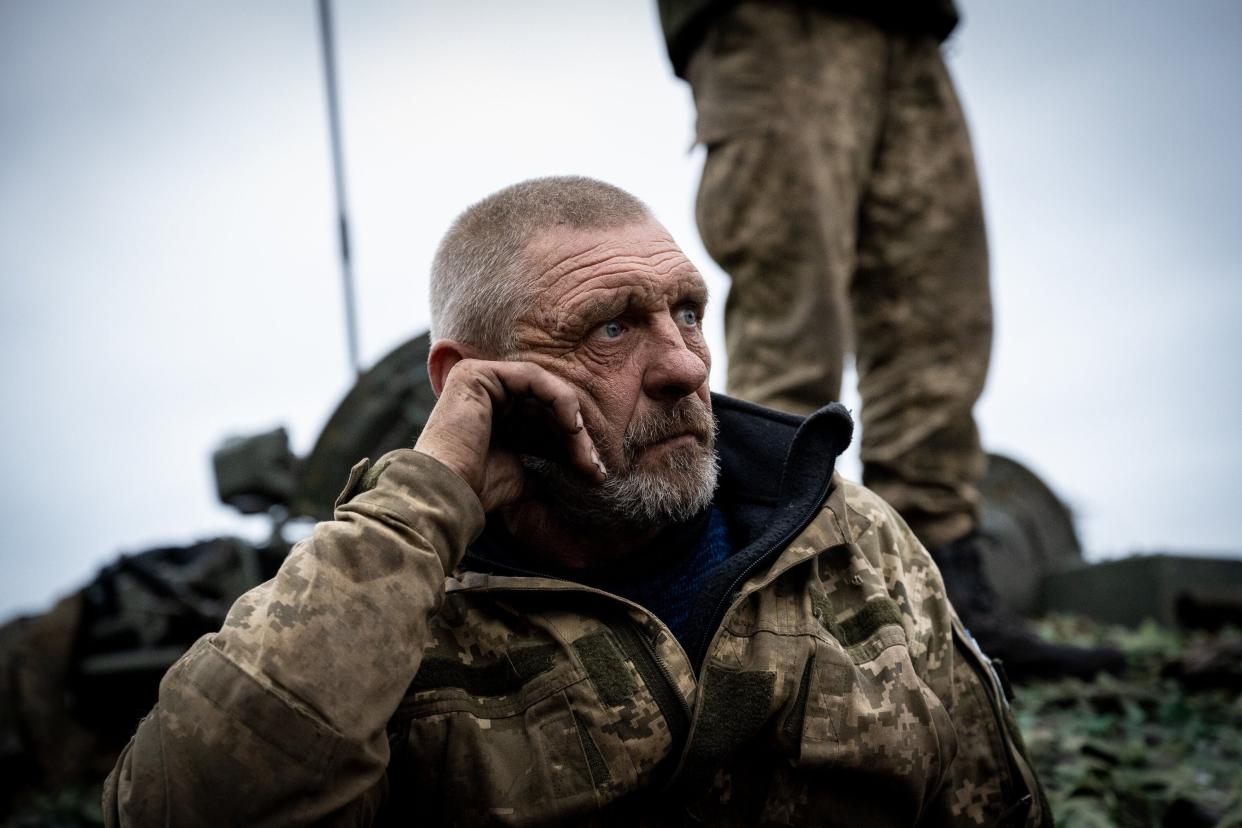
[{"x": 168, "y": 272}]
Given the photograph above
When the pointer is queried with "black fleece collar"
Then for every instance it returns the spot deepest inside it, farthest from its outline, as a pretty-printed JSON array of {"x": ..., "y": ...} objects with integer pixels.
[{"x": 776, "y": 468}]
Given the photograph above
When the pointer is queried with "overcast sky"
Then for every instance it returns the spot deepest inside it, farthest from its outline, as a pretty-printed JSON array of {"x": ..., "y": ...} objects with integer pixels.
[{"x": 168, "y": 270}]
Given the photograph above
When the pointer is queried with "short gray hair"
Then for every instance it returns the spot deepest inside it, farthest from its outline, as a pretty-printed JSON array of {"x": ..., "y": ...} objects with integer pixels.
[{"x": 480, "y": 279}]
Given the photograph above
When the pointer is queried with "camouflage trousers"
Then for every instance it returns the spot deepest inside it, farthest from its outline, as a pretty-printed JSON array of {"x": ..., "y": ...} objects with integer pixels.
[{"x": 840, "y": 195}]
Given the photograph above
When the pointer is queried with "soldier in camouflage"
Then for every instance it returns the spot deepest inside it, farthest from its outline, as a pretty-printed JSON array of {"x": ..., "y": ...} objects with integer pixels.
[
  {"x": 592, "y": 593},
  {"x": 840, "y": 195}
]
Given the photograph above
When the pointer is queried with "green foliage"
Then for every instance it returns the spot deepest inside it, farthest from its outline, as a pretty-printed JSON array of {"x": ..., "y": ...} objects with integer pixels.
[{"x": 1142, "y": 749}]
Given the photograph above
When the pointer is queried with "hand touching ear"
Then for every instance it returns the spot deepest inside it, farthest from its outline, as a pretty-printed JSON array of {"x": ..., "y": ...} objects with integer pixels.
[{"x": 475, "y": 397}]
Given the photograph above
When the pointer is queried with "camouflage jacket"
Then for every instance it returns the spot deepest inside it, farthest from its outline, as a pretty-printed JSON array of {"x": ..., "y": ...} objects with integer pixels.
[{"x": 384, "y": 677}]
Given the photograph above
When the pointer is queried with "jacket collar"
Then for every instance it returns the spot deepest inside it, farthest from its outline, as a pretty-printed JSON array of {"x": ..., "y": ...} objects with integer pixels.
[
  {"x": 776, "y": 474},
  {"x": 776, "y": 468}
]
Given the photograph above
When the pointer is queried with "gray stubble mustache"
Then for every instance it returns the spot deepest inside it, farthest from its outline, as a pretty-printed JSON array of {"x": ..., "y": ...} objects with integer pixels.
[{"x": 688, "y": 415}]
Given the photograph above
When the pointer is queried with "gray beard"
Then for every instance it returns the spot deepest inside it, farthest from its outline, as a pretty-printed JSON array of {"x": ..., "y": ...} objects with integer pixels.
[{"x": 672, "y": 489}]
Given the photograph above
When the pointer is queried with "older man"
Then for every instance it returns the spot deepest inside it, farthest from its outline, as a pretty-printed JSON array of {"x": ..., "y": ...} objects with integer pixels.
[{"x": 592, "y": 592}]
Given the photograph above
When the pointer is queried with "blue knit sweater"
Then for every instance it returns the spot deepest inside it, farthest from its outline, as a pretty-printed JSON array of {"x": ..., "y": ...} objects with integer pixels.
[
  {"x": 666, "y": 579},
  {"x": 670, "y": 593}
]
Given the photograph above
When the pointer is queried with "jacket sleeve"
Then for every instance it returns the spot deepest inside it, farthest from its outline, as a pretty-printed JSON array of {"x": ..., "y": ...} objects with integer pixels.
[{"x": 280, "y": 717}]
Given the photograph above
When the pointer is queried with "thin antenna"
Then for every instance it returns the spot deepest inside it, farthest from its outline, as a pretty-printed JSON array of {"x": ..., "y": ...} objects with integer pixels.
[{"x": 338, "y": 172}]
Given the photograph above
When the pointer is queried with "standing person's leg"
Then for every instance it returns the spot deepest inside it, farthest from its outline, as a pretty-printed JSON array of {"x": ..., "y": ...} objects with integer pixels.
[
  {"x": 789, "y": 108},
  {"x": 923, "y": 316},
  {"x": 922, "y": 307}
]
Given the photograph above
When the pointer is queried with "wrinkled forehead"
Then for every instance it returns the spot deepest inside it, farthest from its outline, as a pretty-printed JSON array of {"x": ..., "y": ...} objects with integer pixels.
[{"x": 571, "y": 269}]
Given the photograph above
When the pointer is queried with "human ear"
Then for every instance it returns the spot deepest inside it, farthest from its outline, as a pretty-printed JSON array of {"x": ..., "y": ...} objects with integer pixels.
[{"x": 445, "y": 353}]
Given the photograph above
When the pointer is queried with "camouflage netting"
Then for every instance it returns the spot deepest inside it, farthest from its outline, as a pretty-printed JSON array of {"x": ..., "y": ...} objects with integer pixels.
[{"x": 1159, "y": 746}]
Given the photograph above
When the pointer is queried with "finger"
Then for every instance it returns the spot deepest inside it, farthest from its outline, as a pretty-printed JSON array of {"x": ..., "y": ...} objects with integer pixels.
[
  {"x": 531, "y": 381},
  {"x": 585, "y": 456}
]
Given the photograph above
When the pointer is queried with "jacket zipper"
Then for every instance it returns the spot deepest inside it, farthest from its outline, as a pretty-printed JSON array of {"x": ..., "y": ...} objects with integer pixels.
[
  {"x": 727, "y": 597},
  {"x": 984, "y": 672},
  {"x": 673, "y": 705},
  {"x": 682, "y": 702},
  {"x": 726, "y": 602}
]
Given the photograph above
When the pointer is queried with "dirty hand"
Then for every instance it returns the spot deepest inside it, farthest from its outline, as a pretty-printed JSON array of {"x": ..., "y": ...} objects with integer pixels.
[{"x": 490, "y": 412}]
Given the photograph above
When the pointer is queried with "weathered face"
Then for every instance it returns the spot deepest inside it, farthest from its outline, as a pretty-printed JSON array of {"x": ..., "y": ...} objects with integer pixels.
[{"x": 618, "y": 314}]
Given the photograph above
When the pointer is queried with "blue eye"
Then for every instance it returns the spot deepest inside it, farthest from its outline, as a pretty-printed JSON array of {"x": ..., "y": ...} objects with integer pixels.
[
  {"x": 688, "y": 316},
  {"x": 611, "y": 329}
]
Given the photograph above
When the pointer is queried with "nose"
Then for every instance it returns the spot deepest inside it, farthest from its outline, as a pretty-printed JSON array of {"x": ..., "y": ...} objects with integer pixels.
[{"x": 672, "y": 370}]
